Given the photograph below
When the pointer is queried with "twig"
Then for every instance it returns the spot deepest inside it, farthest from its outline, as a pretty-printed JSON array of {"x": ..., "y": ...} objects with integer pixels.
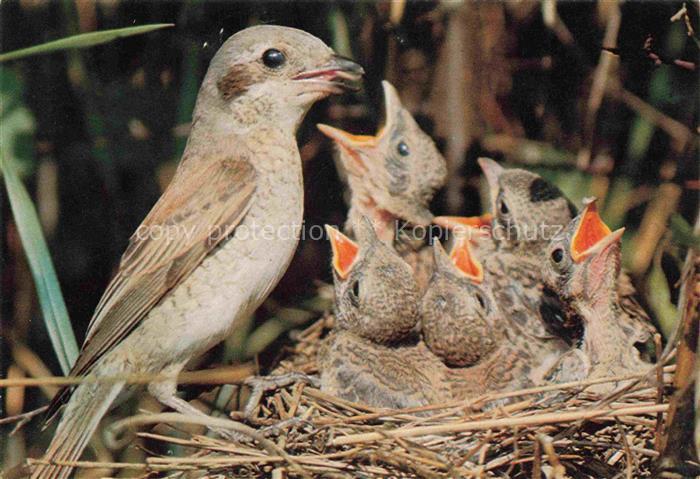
[
  {"x": 24, "y": 417},
  {"x": 680, "y": 133},
  {"x": 630, "y": 458},
  {"x": 533, "y": 420},
  {"x": 606, "y": 62},
  {"x": 211, "y": 422},
  {"x": 558, "y": 469},
  {"x": 224, "y": 375}
]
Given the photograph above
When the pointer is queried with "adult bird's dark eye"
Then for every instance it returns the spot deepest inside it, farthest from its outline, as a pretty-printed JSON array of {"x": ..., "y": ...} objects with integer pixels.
[
  {"x": 273, "y": 58},
  {"x": 504, "y": 207},
  {"x": 557, "y": 255},
  {"x": 481, "y": 301},
  {"x": 403, "y": 149}
]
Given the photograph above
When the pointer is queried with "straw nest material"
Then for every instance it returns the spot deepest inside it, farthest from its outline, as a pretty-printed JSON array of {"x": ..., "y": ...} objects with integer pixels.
[{"x": 556, "y": 431}]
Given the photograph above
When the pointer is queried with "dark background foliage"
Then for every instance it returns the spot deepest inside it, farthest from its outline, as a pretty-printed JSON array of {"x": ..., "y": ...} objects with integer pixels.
[{"x": 111, "y": 121}]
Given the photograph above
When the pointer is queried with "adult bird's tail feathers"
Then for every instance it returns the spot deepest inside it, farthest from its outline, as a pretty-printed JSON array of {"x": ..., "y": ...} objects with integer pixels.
[{"x": 89, "y": 403}]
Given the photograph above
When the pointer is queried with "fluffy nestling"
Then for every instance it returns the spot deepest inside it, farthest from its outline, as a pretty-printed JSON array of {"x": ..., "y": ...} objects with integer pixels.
[
  {"x": 583, "y": 267},
  {"x": 392, "y": 175}
]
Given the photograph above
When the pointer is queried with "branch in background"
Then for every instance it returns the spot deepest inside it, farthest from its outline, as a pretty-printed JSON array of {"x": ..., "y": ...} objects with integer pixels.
[
  {"x": 653, "y": 226},
  {"x": 683, "y": 14},
  {"x": 659, "y": 59},
  {"x": 528, "y": 152},
  {"x": 649, "y": 53},
  {"x": 675, "y": 443},
  {"x": 606, "y": 64},
  {"x": 680, "y": 133}
]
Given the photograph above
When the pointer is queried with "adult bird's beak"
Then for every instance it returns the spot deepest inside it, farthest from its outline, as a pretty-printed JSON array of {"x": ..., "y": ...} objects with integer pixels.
[
  {"x": 462, "y": 257},
  {"x": 344, "y": 251},
  {"x": 340, "y": 73},
  {"x": 591, "y": 234}
]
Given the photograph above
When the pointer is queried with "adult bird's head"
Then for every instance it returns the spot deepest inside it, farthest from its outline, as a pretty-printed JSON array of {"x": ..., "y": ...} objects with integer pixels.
[
  {"x": 584, "y": 261},
  {"x": 395, "y": 172},
  {"x": 273, "y": 74},
  {"x": 526, "y": 208},
  {"x": 376, "y": 294}
]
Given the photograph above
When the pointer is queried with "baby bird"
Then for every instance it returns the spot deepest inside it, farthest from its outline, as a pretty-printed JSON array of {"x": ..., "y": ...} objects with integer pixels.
[
  {"x": 457, "y": 313},
  {"x": 528, "y": 212},
  {"x": 465, "y": 327},
  {"x": 392, "y": 178},
  {"x": 392, "y": 175},
  {"x": 373, "y": 357},
  {"x": 375, "y": 294},
  {"x": 583, "y": 267}
]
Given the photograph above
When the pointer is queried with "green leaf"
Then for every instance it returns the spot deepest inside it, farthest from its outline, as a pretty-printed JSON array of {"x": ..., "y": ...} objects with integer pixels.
[
  {"x": 659, "y": 298},
  {"x": 47, "y": 287},
  {"x": 18, "y": 125},
  {"x": 683, "y": 233},
  {"x": 82, "y": 40}
]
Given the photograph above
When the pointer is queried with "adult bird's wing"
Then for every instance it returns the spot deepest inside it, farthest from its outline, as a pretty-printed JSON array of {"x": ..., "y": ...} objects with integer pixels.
[{"x": 197, "y": 211}]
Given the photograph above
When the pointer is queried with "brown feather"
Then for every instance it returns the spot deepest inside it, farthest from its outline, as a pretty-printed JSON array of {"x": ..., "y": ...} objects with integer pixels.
[{"x": 197, "y": 212}]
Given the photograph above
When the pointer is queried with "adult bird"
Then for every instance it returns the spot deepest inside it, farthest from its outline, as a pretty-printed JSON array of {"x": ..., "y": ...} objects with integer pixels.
[{"x": 197, "y": 263}]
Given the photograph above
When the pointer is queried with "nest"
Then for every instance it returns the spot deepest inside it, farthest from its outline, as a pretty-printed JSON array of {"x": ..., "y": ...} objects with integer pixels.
[{"x": 553, "y": 431}]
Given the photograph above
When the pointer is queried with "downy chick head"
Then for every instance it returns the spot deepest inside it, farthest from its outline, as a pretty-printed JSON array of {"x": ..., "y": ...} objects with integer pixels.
[
  {"x": 274, "y": 73},
  {"x": 583, "y": 262},
  {"x": 397, "y": 171},
  {"x": 526, "y": 208},
  {"x": 458, "y": 311},
  {"x": 376, "y": 296}
]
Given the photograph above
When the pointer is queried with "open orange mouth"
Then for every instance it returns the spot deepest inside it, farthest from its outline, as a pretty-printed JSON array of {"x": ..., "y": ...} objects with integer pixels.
[
  {"x": 344, "y": 251},
  {"x": 590, "y": 231},
  {"x": 462, "y": 257}
]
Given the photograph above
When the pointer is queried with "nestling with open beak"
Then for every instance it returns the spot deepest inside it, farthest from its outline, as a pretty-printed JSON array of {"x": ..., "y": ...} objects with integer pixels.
[
  {"x": 392, "y": 178},
  {"x": 369, "y": 364},
  {"x": 465, "y": 327},
  {"x": 392, "y": 175},
  {"x": 188, "y": 276},
  {"x": 528, "y": 212},
  {"x": 583, "y": 267},
  {"x": 373, "y": 356}
]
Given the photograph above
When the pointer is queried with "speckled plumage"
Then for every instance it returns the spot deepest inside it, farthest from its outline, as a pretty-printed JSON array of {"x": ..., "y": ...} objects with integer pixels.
[
  {"x": 536, "y": 213},
  {"x": 407, "y": 372},
  {"x": 464, "y": 325},
  {"x": 392, "y": 178},
  {"x": 587, "y": 288},
  {"x": 199, "y": 262}
]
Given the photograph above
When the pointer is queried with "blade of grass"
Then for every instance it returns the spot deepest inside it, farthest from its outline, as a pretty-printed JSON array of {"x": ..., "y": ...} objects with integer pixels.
[
  {"x": 48, "y": 290},
  {"x": 82, "y": 40}
]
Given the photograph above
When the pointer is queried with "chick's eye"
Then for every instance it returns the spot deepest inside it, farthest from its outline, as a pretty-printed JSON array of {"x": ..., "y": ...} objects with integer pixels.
[
  {"x": 503, "y": 207},
  {"x": 481, "y": 300},
  {"x": 354, "y": 293},
  {"x": 403, "y": 149},
  {"x": 557, "y": 255},
  {"x": 273, "y": 58}
]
